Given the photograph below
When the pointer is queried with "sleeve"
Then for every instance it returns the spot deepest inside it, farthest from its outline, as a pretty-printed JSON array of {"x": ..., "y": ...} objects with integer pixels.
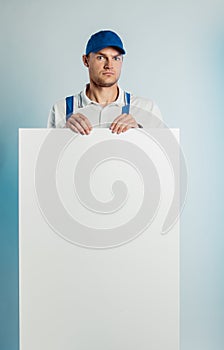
[
  {"x": 156, "y": 111},
  {"x": 57, "y": 115},
  {"x": 157, "y": 116},
  {"x": 51, "y": 118},
  {"x": 146, "y": 113}
]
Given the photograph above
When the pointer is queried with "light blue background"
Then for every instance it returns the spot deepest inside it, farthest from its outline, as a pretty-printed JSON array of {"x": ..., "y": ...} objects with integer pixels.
[{"x": 175, "y": 56}]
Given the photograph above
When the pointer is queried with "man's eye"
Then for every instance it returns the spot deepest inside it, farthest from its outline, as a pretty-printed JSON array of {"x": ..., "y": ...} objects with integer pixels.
[
  {"x": 100, "y": 58},
  {"x": 117, "y": 58}
]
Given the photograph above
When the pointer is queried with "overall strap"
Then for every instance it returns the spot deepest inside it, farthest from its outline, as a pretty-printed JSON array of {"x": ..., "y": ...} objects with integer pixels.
[
  {"x": 70, "y": 99},
  {"x": 69, "y": 106},
  {"x": 126, "y": 107}
]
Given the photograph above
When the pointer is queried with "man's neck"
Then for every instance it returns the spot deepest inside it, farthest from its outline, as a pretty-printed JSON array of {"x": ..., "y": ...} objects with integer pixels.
[{"x": 102, "y": 95}]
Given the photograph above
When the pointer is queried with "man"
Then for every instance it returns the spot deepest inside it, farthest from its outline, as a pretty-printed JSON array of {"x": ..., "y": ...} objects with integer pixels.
[{"x": 103, "y": 103}]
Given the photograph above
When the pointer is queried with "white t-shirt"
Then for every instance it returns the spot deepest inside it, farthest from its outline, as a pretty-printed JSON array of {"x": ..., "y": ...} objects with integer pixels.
[{"x": 145, "y": 112}]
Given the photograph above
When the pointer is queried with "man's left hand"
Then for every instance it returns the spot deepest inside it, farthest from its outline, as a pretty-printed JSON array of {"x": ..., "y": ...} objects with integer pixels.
[{"x": 122, "y": 123}]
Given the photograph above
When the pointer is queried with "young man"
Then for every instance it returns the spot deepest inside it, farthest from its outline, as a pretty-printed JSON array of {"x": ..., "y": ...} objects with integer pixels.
[{"x": 103, "y": 103}]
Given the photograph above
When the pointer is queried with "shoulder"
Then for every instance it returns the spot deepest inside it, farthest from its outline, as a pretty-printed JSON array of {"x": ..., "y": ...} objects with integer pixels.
[
  {"x": 57, "y": 115},
  {"x": 62, "y": 101},
  {"x": 146, "y": 105},
  {"x": 142, "y": 102},
  {"x": 59, "y": 104}
]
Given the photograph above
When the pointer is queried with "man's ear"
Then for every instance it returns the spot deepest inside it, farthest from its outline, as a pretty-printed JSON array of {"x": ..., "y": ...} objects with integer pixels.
[{"x": 85, "y": 60}]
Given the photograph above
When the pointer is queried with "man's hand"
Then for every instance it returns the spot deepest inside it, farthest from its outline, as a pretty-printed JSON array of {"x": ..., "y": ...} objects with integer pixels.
[
  {"x": 79, "y": 123},
  {"x": 122, "y": 123}
]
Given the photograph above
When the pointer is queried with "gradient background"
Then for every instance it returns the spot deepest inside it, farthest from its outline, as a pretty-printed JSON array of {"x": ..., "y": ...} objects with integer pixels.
[{"x": 175, "y": 56}]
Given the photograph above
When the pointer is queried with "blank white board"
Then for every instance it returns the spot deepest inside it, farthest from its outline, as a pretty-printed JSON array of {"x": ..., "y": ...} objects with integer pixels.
[{"x": 99, "y": 240}]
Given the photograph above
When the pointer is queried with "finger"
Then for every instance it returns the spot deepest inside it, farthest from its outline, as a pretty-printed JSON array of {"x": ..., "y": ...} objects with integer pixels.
[
  {"x": 72, "y": 127},
  {"x": 75, "y": 124},
  {"x": 116, "y": 125},
  {"x": 86, "y": 120},
  {"x": 84, "y": 125},
  {"x": 123, "y": 122},
  {"x": 127, "y": 127},
  {"x": 130, "y": 121},
  {"x": 116, "y": 120},
  {"x": 121, "y": 128},
  {"x": 80, "y": 124},
  {"x": 82, "y": 120}
]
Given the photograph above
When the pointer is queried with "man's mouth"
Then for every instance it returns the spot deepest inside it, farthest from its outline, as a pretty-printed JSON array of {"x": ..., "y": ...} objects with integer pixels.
[{"x": 108, "y": 73}]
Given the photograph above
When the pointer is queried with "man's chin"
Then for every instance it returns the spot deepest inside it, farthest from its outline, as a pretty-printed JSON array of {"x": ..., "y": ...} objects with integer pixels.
[
  {"x": 107, "y": 82},
  {"x": 108, "y": 85}
]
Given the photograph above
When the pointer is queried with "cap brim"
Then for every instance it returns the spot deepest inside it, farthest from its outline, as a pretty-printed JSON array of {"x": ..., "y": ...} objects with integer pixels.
[{"x": 97, "y": 49}]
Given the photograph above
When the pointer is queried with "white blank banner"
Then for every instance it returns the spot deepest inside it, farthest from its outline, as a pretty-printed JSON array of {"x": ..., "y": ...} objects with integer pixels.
[{"x": 99, "y": 240}]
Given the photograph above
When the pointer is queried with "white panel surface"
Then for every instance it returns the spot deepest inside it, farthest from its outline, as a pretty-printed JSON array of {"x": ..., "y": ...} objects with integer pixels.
[{"x": 96, "y": 271}]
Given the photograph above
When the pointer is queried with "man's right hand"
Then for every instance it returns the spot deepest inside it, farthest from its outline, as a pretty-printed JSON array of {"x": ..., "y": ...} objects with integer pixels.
[{"x": 79, "y": 123}]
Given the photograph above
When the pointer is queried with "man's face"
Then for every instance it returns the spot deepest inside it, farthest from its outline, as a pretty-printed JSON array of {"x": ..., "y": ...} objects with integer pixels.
[{"x": 104, "y": 66}]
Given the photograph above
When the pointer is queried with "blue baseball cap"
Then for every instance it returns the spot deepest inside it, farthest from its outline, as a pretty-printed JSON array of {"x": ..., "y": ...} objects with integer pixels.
[{"x": 102, "y": 39}]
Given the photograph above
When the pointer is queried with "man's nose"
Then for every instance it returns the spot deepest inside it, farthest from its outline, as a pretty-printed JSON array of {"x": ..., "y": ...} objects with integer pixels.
[{"x": 109, "y": 63}]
